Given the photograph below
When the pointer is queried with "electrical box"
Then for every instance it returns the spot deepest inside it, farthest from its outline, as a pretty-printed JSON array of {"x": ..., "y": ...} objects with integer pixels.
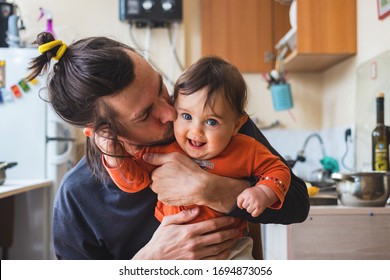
[{"x": 153, "y": 13}]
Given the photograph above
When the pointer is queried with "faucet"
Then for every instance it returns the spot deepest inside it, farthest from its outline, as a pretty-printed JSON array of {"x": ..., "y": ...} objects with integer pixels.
[
  {"x": 329, "y": 165},
  {"x": 316, "y": 135},
  {"x": 301, "y": 153}
]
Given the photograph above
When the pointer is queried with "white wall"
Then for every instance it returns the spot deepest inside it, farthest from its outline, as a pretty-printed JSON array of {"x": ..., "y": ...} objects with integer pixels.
[{"x": 339, "y": 84}]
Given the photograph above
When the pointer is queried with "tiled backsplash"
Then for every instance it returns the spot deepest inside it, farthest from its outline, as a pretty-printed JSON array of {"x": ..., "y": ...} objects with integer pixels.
[{"x": 289, "y": 142}]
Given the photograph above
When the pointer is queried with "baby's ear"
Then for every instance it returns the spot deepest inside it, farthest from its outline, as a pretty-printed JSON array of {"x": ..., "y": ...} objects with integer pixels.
[
  {"x": 239, "y": 122},
  {"x": 88, "y": 131}
]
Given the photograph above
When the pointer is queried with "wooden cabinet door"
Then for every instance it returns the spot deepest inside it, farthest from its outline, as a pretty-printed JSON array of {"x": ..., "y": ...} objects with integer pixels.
[
  {"x": 341, "y": 237},
  {"x": 244, "y": 32},
  {"x": 326, "y": 34}
]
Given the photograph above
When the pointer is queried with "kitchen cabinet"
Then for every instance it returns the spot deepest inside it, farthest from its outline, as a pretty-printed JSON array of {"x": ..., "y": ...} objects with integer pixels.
[
  {"x": 8, "y": 213},
  {"x": 332, "y": 232},
  {"x": 243, "y": 32},
  {"x": 325, "y": 34}
]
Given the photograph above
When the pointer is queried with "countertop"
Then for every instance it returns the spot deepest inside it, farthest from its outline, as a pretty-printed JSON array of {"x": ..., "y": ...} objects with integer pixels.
[
  {"x": 16, "y": 186},
  {"x": 346, "y": 210}
]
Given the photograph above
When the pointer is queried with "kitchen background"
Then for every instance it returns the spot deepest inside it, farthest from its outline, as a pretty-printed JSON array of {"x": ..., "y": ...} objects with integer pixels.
[
  {"x": 322, "y": 100},
  {"x": 326, "y": 102}
]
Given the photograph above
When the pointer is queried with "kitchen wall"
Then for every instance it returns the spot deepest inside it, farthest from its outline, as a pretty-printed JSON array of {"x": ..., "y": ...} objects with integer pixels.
[
  {"x": 321, "y": 100},
  {"x": 339, "y": 82},
  {"x": 340, "y": 94},
  {"x": 306, "y": 88},
  {"x": 75, "y": 19}
]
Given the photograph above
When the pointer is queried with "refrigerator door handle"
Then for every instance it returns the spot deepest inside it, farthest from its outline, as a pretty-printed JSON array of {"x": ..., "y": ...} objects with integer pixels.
[
  {"x": 65, "y": 139},
  {"x": 63, "y": 157}
]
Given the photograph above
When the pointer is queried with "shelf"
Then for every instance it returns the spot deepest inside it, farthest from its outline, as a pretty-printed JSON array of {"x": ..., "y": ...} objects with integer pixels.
[
  {"x": 325, "y": 35},
  {"x": 301, "y": 62}
]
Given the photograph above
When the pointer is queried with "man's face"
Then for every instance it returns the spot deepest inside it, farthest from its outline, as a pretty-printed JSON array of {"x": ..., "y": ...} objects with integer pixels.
[{"x": 144, "y": 107}]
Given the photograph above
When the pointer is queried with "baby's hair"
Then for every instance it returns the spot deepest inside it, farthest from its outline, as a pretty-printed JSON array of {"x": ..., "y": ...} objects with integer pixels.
[{"x": 218, "y": 76}]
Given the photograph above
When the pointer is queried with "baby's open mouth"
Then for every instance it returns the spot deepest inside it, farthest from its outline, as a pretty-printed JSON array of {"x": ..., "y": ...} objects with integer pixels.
[{"x": 196, "y": 143}]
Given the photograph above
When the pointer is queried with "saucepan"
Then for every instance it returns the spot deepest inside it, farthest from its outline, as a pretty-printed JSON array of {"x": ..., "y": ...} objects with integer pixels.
[
  {"x": 363, "y": 189},
  {"x": 3, "y": 167}
]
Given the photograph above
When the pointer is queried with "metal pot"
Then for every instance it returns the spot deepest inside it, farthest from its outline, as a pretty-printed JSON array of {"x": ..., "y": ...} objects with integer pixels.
[
  {"x": 363, "y": 189},
  {"x": 3, "y": 167}
]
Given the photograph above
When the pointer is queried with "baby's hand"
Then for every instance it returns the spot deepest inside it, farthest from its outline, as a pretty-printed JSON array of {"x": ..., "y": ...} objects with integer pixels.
[{"x": 254, "y": 200}]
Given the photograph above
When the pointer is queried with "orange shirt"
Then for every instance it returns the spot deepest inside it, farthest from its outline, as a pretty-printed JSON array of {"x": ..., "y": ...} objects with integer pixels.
[{"x": 243, "y": 157}]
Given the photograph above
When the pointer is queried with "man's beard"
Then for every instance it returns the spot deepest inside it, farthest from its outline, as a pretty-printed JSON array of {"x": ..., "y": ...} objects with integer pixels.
[{"x": 169, "y": 137}]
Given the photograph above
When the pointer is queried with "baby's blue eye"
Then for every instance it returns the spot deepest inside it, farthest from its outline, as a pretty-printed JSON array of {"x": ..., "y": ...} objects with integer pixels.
[
  {"x": 212, "y": 122},
  {"x": 186, "y": 116}
]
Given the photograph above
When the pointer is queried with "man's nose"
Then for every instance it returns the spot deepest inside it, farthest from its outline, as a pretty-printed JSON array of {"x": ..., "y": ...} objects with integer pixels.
[{"x": 166, "y": 111}]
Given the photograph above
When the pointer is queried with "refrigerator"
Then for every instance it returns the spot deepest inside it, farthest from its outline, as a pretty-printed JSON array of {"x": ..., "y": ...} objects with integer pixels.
[{"x": 41, "y": 143}]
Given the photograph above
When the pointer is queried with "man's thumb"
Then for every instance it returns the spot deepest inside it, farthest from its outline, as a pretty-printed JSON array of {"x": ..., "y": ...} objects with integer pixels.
[{"x": 181, "y": 218}]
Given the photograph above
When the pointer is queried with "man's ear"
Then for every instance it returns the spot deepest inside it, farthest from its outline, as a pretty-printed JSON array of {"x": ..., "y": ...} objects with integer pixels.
[
  {"x": 239, "y": 122},
  {"x": 88, "y": 131}
]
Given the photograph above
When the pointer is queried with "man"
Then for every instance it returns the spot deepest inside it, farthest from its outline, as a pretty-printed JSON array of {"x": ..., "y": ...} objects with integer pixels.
[{"x": 99, "y": 83}]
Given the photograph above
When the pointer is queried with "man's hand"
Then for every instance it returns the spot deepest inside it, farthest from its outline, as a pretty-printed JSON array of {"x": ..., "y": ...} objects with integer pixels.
[
  {"x": 180, "y": 181},
  {"x": 174, "y": 240}
]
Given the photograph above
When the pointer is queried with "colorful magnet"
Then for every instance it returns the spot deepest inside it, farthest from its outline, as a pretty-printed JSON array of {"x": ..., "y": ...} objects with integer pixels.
[
  {"x": 34, "y": 81},
  {"x": 2, "y": 73},
  {"x": 7, "y": 95},
  {"x": 16, "y": 91},
  {"x": 23, "y": 84}
]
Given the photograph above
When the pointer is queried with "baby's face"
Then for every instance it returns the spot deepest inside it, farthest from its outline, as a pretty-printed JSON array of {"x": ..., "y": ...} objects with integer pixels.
[{"x": 201, "y": 131}]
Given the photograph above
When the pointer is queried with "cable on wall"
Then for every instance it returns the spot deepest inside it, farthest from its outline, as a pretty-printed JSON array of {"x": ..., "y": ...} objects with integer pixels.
[
  {"x": 172, "y": 40},
  {"x": 166, "y": 77}
]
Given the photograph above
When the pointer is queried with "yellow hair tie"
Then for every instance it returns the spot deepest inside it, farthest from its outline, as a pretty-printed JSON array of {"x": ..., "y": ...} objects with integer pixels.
[
  {"x": 48, "y": 46},
  {"x": 60, "y": 51}
]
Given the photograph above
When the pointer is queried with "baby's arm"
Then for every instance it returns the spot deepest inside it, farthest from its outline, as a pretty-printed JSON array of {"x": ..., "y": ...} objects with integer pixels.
[{"x": 273, "y": 181}]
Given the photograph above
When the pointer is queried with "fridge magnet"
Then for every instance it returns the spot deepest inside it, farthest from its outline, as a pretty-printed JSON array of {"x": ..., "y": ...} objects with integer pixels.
[
  {"x": 383, "y": 8},
  {"x": 1, "y": 96},
  {"x": 2, "y": 73},
  {"x": 23, "y": 84},
  {"x": 34, "y": 81},
  {"x": 7, "y": 96},
  {"x": 16, "y": 91}
]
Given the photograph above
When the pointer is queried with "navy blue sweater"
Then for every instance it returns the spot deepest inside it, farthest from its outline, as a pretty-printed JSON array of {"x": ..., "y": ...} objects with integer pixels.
[{"x": 93, "y": 220}]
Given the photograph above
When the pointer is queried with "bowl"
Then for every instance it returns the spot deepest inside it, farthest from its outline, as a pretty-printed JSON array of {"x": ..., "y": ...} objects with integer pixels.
[
  {"x": 2, "y": 176},
  {"x": 3, "y": 167},
  {"x": 363, "y": 189}
]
